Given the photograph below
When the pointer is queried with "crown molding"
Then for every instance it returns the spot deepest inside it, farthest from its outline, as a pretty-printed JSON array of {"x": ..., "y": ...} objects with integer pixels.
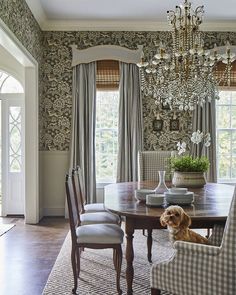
[
  {"x": 38, "y": 12},
  {"x": 52, "y": 25},
  {"x": 219, "y": 26}
]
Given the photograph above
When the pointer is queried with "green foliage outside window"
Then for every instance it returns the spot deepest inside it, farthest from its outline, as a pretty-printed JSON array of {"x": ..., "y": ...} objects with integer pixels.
[{"x": 106, "y": 135}]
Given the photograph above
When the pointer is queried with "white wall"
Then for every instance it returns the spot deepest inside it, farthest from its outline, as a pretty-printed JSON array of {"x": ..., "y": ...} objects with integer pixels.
[
  {"x": 100, "y": 194},
  {"x": 53, "y": 167}
]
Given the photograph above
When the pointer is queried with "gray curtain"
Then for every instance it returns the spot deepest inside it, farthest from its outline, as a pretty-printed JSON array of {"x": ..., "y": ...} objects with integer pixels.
[
  {"x": 130, "y": 123},
  {"x": 82, "y": 148},
  {"x": 204, "y": 119}
]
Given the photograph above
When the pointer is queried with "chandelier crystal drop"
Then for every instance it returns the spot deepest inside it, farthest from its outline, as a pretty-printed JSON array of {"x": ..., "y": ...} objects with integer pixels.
[{"x": 183, "y": 76}]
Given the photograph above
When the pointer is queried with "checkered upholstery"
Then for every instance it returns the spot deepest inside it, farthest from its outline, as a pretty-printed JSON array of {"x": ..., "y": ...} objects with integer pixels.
[
  {"x": 217, "y": 235},
  {"x": 150, "y": 162},
  {"x": 201, "y": 269}
]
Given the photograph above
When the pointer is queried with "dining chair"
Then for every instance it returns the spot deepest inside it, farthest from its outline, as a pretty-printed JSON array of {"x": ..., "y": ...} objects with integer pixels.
[
  {"x": 90, "y": 217},
  {"x": 93, "y": 236},
  {"x": 201, "y": 269},
  {"x": 88, "y": 208},
  {"x": 150, "y": 162}
]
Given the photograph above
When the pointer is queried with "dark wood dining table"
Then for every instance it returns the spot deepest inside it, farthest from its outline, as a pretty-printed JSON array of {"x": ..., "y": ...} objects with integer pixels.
[{"x": 211, "y": 206}]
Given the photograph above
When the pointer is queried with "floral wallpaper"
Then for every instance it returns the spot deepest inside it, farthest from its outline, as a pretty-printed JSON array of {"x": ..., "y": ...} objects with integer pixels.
[
  {"x": 18, "y": 17},
  {"x": 162, "y": 127},
  {"x": 57, "y": 87}
]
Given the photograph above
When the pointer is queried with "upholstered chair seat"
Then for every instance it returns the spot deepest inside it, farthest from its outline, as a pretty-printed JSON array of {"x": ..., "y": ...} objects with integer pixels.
[
  {"x": 95, "y": 207},
  {"x": 99, "y": 217},
  {"x": 100, "y": 234}
]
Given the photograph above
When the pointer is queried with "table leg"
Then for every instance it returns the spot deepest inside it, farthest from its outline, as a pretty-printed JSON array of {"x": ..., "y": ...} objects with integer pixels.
[
  {"x": 149, "y": 245},
  {"x": 129, "y": 258}
]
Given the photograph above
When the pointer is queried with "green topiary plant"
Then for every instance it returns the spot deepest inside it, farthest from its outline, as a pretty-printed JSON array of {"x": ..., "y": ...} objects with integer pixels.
[{"x": 189, "y": 164}]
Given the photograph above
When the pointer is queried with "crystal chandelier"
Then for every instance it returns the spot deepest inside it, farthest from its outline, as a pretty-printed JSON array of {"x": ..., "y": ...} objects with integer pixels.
[{"x": 183, "y": 76}]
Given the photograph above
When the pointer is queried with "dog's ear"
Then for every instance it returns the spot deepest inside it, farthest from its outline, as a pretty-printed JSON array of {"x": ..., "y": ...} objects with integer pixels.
[
  {"x": 185, "y": 220},
  {"x": 162, "y": 219}
]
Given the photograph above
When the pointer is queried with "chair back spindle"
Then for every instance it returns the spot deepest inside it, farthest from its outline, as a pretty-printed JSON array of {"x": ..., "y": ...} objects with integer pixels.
[
  {"x": 78, "y": 191},
  {"x": 82, "y": 184},
  {"x": 72, "y": 206}
]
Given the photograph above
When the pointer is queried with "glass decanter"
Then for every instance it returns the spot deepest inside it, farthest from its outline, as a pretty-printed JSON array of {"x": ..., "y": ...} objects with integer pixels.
[{"x": 161, "y": 188}]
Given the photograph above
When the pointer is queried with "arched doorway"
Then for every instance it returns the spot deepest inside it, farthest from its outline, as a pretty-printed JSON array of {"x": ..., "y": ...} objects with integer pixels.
[
  {"x": 12, "y": 181},
  {"x": 30, "y": 67}
]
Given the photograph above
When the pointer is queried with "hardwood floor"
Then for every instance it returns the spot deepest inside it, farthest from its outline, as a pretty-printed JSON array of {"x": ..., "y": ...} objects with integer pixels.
[{"x": 27, "y": 254}]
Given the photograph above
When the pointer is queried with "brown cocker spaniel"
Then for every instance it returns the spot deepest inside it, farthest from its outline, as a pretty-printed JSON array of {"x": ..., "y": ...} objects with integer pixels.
[{"x": 178, "y": 222}]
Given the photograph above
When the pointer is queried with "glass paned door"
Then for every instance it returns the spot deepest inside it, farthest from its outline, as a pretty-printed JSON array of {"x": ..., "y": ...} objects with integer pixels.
[{"x": 13, "y": 178}]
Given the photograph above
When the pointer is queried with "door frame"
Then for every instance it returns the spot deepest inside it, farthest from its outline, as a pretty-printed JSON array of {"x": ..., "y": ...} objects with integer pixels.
[{"x": 9, "y": 41}]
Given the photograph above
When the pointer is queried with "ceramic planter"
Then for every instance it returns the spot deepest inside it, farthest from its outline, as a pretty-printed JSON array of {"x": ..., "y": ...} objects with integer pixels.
[{"x": 189, "y": 179}]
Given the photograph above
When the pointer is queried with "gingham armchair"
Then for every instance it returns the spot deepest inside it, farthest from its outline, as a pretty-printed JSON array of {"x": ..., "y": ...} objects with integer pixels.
[
  {"x": 197, "y": 269},
  {"x": 150, "y": 162}
]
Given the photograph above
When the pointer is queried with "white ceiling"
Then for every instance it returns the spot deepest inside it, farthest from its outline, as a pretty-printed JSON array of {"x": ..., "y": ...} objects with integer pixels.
[{"x": 125, "y": 14}]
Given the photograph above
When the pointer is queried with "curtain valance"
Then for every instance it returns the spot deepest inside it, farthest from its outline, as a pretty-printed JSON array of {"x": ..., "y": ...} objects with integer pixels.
[{"x": 105, "y": 52}]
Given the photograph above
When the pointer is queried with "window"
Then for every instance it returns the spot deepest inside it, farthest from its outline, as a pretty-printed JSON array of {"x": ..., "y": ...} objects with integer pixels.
[
  {"x": 9, "y": 84},
  {"x": 226, "y": 136},
  {"x": 107, "y": 104},
  {"x": 106, "y": 135}
]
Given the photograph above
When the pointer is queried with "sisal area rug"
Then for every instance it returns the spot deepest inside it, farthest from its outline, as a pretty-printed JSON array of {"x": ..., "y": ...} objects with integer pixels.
[
  {"x": 97, "y": 275},
  {"x": 5, "y": 227}
]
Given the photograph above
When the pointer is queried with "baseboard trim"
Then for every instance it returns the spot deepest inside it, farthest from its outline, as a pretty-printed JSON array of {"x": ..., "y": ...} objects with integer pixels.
[
  {"x": 53, "y": 211},
  {"x": 40, "y": 213}
]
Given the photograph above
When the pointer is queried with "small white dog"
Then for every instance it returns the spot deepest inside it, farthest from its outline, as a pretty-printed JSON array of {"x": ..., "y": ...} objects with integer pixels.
[{"x": 178, "y": 223}]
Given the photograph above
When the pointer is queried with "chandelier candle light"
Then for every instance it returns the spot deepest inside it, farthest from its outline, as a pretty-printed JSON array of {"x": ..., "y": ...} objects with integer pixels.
[{"x": 183, "y": 76}]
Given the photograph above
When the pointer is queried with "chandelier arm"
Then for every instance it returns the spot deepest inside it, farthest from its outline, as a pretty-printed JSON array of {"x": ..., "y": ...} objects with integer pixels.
[
  {"x": 171, "y": 17},
  {"x": 199, "y": 11}
]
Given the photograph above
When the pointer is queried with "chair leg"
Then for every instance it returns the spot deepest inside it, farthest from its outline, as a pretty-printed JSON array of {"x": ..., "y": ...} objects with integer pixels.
[
  {"x": 149, "y": 245},
  {"x": 74, "y": 268},
  {"x": 114, "y": 259},
  {"x": 117, "y": 258},
  {"x": 78, "y": 252},
  {"x": 208, "y": 233},
  {"x": 155, "y": 291}
]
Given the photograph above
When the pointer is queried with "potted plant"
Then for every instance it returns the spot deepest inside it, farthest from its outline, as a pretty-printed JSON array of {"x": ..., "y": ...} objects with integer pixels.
[{"x": 190, "y": 171}]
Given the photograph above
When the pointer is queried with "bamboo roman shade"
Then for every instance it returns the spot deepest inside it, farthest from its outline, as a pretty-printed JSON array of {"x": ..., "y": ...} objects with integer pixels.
[
  {"x": 220, "y": 70},
  {"x": 108, "y": 75}
]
